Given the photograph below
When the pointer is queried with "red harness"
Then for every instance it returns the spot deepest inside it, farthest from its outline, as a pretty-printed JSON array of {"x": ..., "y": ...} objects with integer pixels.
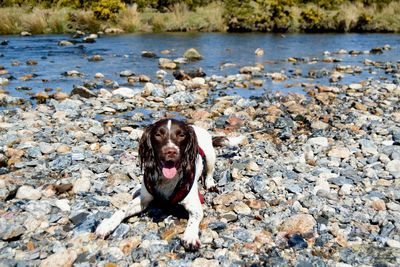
[{"x": 181, "y": 190}]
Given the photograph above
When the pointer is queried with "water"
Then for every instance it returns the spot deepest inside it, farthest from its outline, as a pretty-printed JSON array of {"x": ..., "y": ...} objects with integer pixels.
[{"x": 123, "y": 52}]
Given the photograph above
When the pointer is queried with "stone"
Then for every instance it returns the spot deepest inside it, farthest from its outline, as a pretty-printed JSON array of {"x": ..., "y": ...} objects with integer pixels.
[
  {"x": 259, "y": 52},
  {"x": 192, "y": 54},
  {"x": 393, "y": 167},
  {"x": 65, "y": 43},
  {"x": 299, "y": 223},
  {"x": 82, "y": 184},
  {"x": 368, "y": 147},
  {"x": 83, "y": 92},
  {"x": 28, "y": 192},
  {"x": 242, "y": 209},
  {"x": 393, "y": 243},
  {"x": 319, "y": 125},
  {"x": 339, "y": 152},
  {"x": 60, "y": 259},
  {"x": 125, "y": 92},
  {"x": 319, "y": 141},
  {"x": 378, "y": 204},
  {"x": 166, "y": 63}
]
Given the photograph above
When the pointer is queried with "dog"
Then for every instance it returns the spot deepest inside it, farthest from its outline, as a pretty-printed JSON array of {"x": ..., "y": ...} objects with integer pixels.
[{"x": 171, "y": 156}]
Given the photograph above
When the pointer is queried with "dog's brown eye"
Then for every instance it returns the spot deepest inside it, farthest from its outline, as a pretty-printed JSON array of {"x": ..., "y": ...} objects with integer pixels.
[
  {"x": 182, "y": 135},
  {"x": 158, "y": 135}
]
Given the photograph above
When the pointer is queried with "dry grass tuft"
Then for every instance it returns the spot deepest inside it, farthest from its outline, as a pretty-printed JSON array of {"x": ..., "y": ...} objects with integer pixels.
[{"x": 129, "y": 19}]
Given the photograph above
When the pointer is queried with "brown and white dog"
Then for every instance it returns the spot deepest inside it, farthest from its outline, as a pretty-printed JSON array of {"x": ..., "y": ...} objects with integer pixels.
[{"x": 171, "y": 156}]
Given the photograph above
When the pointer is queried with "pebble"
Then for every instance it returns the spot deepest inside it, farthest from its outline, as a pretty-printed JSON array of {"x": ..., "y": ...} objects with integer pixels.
[{"x": 28, "y": 192}]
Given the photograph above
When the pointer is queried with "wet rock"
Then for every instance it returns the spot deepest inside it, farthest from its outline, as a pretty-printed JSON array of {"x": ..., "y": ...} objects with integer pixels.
[
  {"x": 25, "y": 33},
  {"x": 95, "y": 58},
  {"x": 126, "y": 73},
  {"x": 65, "y": 43},
  {"x": 192, "y": 54},
  {"x": 148, "y": 54},
  {"x": 83, "y": 92},
  {"x": 166, "y": 63},
  {"x": 259, "y": 52}
]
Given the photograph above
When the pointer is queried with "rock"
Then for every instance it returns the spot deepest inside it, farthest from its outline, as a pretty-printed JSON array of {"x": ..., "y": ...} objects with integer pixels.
[
  {"x": 339, "y": 152},
  {"x": 65, "y": 43},
  {"x": 83, "y": 92},
  {"x": 192, "y": 54},
  {"x": 319, "y": 141},
  {"x": 60, "y": 259},
  {"x": 300, "y": 223},
  {"x": 148, "y": 54},
  {"x": 319, "y": 125},
  {"x": 393, "y": 243},
  {"x": 297, "y": 241},
  {"x": 166, "y": 63},
  {"x": 259, "y": 52},
  {"x": 83, "y": 184},
  {"x": 95, "y": 58},
  {"x": 242, "y": 209},
  {"x": 201, "y": 262},
  {"x": 28, "y": 192},
  {"x": 24, "y": 33},
  {"x": 368, "y": 147},
  {"x": 3, "y": 81},
  {"x": 41, "y": 96},
  {"x": 11, "y": 231},
  {"x": 393, "y": 167},
  {"x": 378, "y": 204},
  {"x": 125, "y": 92},
  {"x": 126, "y": 73}
]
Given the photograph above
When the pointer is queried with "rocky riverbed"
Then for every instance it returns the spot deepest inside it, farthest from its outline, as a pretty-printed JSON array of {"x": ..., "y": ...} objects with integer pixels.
[{"x": 317, "y": 182}]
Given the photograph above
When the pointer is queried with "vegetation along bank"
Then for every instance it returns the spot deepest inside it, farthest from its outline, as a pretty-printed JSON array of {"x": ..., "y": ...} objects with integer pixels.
[{"x": 64, "y": 16}]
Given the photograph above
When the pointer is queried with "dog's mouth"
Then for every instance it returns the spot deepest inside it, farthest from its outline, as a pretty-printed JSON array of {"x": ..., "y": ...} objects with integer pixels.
[{"x": 169, "y": 169}]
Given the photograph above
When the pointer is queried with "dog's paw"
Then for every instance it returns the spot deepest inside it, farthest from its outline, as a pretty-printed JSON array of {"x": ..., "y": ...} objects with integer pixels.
[
  {"x": 210, "y": 185},
  {"x": 104, "y": 229},
  {"x": 191, "y": 242}
]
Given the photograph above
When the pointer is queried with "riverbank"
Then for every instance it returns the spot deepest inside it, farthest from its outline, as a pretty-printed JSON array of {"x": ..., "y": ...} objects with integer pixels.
[
  {"x": 215, "y": 17},
  {"x": 316, "y": 183}
]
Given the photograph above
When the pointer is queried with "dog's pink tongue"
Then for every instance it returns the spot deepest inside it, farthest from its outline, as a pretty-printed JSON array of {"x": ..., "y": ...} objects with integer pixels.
[{"x": 169, "y": 173}]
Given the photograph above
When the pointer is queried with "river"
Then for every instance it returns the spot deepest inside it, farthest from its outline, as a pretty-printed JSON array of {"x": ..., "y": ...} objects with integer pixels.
[{"x": 123, "y": 52}]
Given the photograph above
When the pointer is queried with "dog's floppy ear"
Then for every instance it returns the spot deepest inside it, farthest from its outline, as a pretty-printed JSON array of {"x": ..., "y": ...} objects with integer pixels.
[
  {"x": 191, "y": 151},
  {"x": 146, "y": 152}
]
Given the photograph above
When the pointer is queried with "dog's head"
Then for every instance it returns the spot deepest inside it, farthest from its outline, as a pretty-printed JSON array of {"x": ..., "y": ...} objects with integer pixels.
[{"x": 167, "y": 147}]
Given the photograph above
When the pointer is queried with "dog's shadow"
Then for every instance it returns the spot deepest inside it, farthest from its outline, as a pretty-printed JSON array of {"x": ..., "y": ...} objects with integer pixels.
[{"x": 158, "y": 212}]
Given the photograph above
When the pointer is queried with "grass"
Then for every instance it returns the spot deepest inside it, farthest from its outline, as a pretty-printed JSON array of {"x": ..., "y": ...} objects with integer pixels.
[{"x": 345, "y": 18}]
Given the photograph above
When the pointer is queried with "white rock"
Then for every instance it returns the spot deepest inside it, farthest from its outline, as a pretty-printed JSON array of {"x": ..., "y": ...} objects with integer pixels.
[
  {"x": 394, "y": 168},
  {"x": 346, "y": 189},
  {"x": 393, "y": 243},
  {"x": 125, "y": 92},
  {"x": 319, "y": 141},
  {"x": 28, "y": 192},
  {"x": 63, "y": 204},
  {"x": 83, "y": 184}
]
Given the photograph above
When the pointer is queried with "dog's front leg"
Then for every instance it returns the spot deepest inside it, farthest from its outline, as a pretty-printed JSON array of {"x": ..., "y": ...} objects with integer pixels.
[
  {"x": 135, "y": 206},
  {"x": 192, "y": 204}
]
